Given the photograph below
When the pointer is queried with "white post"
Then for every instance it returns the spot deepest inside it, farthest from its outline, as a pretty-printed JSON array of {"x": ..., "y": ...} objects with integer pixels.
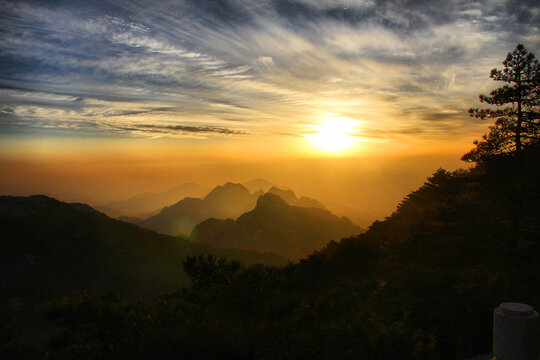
[{"x": 516, "y": 332}]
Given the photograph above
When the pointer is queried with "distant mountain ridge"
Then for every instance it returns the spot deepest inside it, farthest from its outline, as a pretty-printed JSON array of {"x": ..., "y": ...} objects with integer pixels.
[
  {"x": 291, "y": 199},
  {"x": 277, "y": 227},
  {"x": 358, "y": 216},
  {"x": 149, "y": 203},
  {"x": 17, "y": 206},
  {"x": 227, "y": 201},
  {"x": 258, "y": 184}
]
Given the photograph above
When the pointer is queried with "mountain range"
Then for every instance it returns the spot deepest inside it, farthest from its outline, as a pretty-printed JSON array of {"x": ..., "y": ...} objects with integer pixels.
[
  {"x": 227, "y": 201},
  {"x": 179, "y": 219},
  {"x": 149, "y": 203},
  {"x": 52, "y": 248},
  {"x": 277, "y": 227}
]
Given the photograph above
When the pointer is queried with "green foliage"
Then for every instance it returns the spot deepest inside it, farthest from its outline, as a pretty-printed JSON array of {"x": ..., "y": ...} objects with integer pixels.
[
  {"x": 516, "y": 124},
  {"x": 10, "y": 346},
  {"x": 98, "y": 328},
  {"x": 207, "y": 270}
]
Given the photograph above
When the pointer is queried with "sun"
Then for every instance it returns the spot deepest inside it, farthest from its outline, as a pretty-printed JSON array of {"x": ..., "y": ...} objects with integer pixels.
[{"x": 333, "y": 135}]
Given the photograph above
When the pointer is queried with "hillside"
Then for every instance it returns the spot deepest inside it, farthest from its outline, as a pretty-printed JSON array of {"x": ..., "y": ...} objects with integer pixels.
[
  {"x": 51, "y": 249},
  {"x": 274, "y": 226}
]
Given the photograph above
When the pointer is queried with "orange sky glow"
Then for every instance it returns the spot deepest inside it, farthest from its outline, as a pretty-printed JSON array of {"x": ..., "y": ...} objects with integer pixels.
[{"x": 353, "y": 102}]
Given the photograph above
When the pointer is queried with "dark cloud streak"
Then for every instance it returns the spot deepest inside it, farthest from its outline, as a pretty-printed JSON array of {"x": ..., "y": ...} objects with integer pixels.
[{"x": 189, "y": 129}]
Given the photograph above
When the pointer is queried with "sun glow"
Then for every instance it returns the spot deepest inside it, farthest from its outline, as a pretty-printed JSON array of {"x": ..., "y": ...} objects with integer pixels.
[{"x": 334, "y": 135}]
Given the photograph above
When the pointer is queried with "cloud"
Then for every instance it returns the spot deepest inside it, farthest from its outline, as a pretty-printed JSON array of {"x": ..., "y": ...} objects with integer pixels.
[
  {"x": 189, "y": 129},
  {"x": 273, "y": 66}
]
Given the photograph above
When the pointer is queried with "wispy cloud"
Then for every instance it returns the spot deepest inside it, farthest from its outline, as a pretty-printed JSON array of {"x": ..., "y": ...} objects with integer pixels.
[
  {"x": 189, "y": 129},
  {"x": 195, "y": 67}
]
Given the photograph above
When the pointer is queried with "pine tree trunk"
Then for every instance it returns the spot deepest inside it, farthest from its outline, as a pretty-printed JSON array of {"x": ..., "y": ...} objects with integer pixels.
[{"x": 519, "y": 117}]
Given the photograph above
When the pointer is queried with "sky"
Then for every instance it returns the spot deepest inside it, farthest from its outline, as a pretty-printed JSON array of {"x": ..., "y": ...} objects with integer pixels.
[{"x": 102, "y": 99}]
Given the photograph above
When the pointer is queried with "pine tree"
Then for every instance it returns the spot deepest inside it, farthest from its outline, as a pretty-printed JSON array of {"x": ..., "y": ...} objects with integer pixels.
[{"x": 517, "y": 116}]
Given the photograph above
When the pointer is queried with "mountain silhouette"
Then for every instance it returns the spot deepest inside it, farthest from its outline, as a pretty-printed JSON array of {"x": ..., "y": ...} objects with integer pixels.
[
  {"x": 258, "y": 184},
  {"x": 226, "y": 201},
  {"x": 149, "y": 203},
  {"x": 51, "y": 249},
  {"x": 277, "y": 227},
  {"x": 291, "y": 199}
]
